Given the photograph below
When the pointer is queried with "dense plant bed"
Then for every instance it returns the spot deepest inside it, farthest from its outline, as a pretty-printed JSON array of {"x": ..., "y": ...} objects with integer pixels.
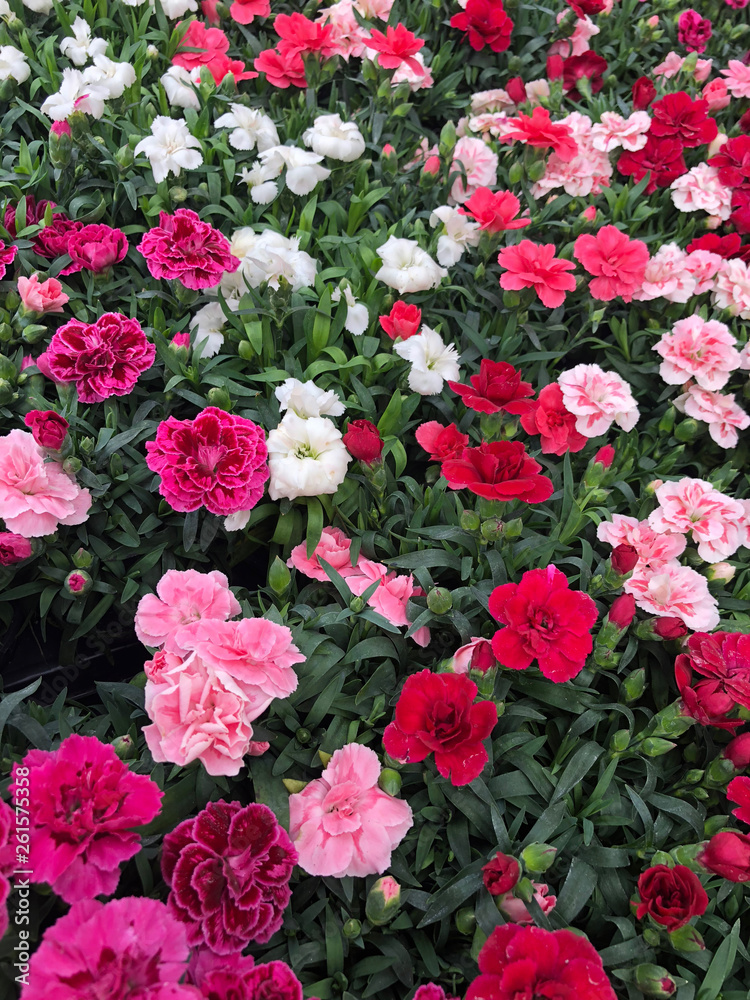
[{"x": 373, "y": 446}]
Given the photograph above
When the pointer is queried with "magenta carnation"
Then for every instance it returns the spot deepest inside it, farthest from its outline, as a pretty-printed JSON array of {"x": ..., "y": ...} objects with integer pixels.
[
  {"x": 97, "y": 247},
  {"x": 84, "y": 805},
  {"x": 236, "y": 977},
  {"x": 126, "y": 949},
  {"x": 184, "y": 247},
  {"x": 228, "y": 870},
  {"x": 7, "y": 859},
  {"x": 103, "y": 358},
  {"x": 217, "y": 461}
]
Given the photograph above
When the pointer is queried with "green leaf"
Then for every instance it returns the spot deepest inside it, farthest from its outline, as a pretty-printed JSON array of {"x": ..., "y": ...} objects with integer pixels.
[
  {"x": 721, "y": 966},
  {"x": 11, "y": 701},
  {"x": 453, "y": 893}
]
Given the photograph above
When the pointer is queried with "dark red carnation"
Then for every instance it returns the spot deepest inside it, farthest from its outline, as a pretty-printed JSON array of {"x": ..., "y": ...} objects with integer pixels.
[
  {"x": 623, "y": 559},
  {"x": 644, "y": 92},
  {"x": 740, "y": 217},
  {"x": 501, "y": 470},
  {"x": 705, "y": 701},
  {"x": 554, "y": 67},
  {"x": 670, "y": 896},
  {"x": 228, "y": 870},
  {"x": 738, "y": 791},
  {"x": 184, "y": 247},
  {"x": 497, "y": 387},
  {"x": 555, "y": 424},
  {"x": 48, "y": 428},
  {"x": 500, "y": 874},
  {"x": 34, "y": 213},
  {"x": 676, "y": 116},
  {"x": 363, "y": 441},
  {"x": 728, "y": 854},
  {"x": 669, "y": 628},
  {"x": 544, "y": 621},
  {"x": 744, "y": 123},
  {"x": 13, "y": 548},
  {"x": 733, "y": 161},
  {"x": 96, "y": 248},
  {"x": 524, "y": 962},
  {"x": 661, "y": 156},
  {"x": 435, "y": 713},
  {"x": 486, "y": 23},
  {"x": 584, "y": 8},
  {"x": 590, "y": 66},
  {"x": 441, "y": 442},
  {"x": 725, "y": 246},
  {"x": 515, "y": 88},
  {"x": 738, "y": 751},
  {"x": 403, "y": 320}
]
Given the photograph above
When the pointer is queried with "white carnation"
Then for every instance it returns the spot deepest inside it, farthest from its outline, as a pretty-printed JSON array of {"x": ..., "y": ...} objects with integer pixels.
[
  {"x": 178, "y": 86},
  {"x": 303, "y": 170},
  {"x": 75, "y": 94},
  {"x": 306, "y": 458},
  {"x": 407, "y": 267},
  {"x": 208, "y": 324},
  {"x": 329, "y": 136},
  {"x": 357, "y": 316},
  {"x": 170, "y": 147},
  {"x": 432, "y": 362},
  {"x": 459, "y": 233},
  {"x": 250, "y": 126},
  {"x": 13, "y": 65},
  {"x": 306, "y": 399}
]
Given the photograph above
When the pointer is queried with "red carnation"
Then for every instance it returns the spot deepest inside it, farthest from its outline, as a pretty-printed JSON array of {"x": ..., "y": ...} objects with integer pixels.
[
  {"x": 48, "y": 428},
  {"x": 184, "y": 247},
  {"x": 738, "y": 751},
  {"x": 281, "y": 70},
  {"x": 525, "y": 961},
  {"x": 676, "y": 116},
  {"x": 725, "y": 658},
  {"x": 515, "y": 88},
  {"x": 34, "y": 212},
  {"x": 624, "y": 559},
  {"x": 728, "y": 854},
  {"x": 97, "y": 247},
  {"x": 396, "y": 46},
  {"x": 662, "y": 157},
  {"x": 495, "y": 211},
  {"x": 363, "y": 441},
  {"x": 403, "y": 320},
  {"x": 436, "y": 713},
  {"x": 555, "y": 424},
  {"x": 738, "y": 791},
  {"x": 497, "y": 387},
  {"x": 537, "y": 130},
  {"x": 622, "y": 612},
  {"x": 441, "y": 442},
  {"x": 744, "y": 123},
  {"x": 500, "y": 470},
  {"x": 588, "y": 65},
  {"x": 544, "y": 621},
  {"x": 643, "y": 92},
  {"x": 670, "y": 896},
  {"x": 584, "y": 8},
  {"x": 500, "y": 874},
  {"x": 486, "y": 23},
  {"x": 706, "y": 701},
  {"x": 725, "y": 246},
  {"x": 740, "y": 217},
  {"x": 228, "y": 870}
]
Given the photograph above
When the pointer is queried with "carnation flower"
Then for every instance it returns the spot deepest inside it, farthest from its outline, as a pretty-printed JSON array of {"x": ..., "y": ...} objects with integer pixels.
[
  {"x": 261, "y": 180},
  {"x": 306, "y": 458},
  {"x": 497, "y": 387},
  {"x": 333, "y": 547},
  {"x": 398, "y": 45},
  {"x": 500, "y": 470},
  {"x": 408, "y": 268},
  {"x": 357, "y": 315},
  {"x": 701, "y": 349},
  {"x": 485, "y": 23},
  {"x": 102, "y": 359},
  {"x": 598, "y": 399},
  {"x": 715, "y": 522},
  {"x": 674, "y": 591},
  {"x": 303, "y": 170},
  {"x": 245, "y": 11},
  {"x": 436, "y": 713},
  {"x": 13, "y": 549},
  {"x": 667, "y": 276},
  {"x": 187, "y": 249},
  {"x": 41, "y": 297},
  {"x": 342, "y": 824},
  {"x": 282, "y": 70},
  {"x": 458, "y": 233},
  {"x": 113, "y": 77},
  {"x": 617, "y": 263},
  {"x": 13, "y": 65},
  {"x": 661, "y": 157},
  {"x": 727, "y": 854},
  {"x": 228, "y": 871},
  {"x": 441, "y": 443},
  {"x": 48, "y": 428},
  {"x": 133, "y": 945},
  {"x": 331, "y": 137},
  {"x": 301, "y": 36},
  {"x": 7, "y": 849},
  {"x": 36, "y": 495},
  {"x": 737, "y": 76},
  {"x": 207, "y": 326},
  {"x": 306, "y": 399},
  {"x": 494, "y": 211},
  {"x": 432, "y": 361},
  {"x": 84, "y": 806},
  {"x": 544, "y": 621},
  {"x": 182, "y": 597},
  {"x": 216, "y": 460},
  {"x": 75, "y": 94},
  {"x": 732, "y": 288},
  {"x": 677, "y": 116},
  {"x": 475, "y": 159},
  {"x": 654, "y": 549},
  {"x": 348, "y": 37},
  {"x": 170, "y": 148},
  {"x": 538, "y": 131},
  {"x": 614, "y": 131},
  {"x": 549, "y": 418},
  {"x": 701, "y": 189},
  {"x": 269, "y": 256},
  {"x": 179, "y": 85},
  {"x": 251, "y": 128},
  {"x": 403, "y": 320},
  {"x": 533, "y": 265},
  {"x": 724, "y": 658},
  {"x": 719, "y": 410}
]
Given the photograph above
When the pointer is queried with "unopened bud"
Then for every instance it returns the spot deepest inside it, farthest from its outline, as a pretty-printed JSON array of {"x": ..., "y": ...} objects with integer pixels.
[
  {"x": 721, "y": 572},
  {"x": 390, "y": 781},
  {"x": 654, "y": 746},
  {"x": 78, "y": 583},
  {"x": 383, "y": 901},
  {"x": 124, "y": 747},
  {"x": 466, "y": 920},
  {"x": 664, "y": 629},
  {"x": 72, "y": 465},
  {"x": 279, "y": 577},
  {"x": 654, "y": 980},
  {"x": 687, "y": 430},
  {"x": 620, "y": 741},
  {"x": 470, "y": 520},
  {"x": 82, "y": 559},
  {"x": 439, "y": 601},
  {"x": 303, "y": 735},
  {"x": 514, "y": 528},
  {"x": 219, "y": 397},
  {"x": 687, "y": 939},
  {"x": 538, "y": 857},
  {"x": 633, "y": 686},
  {"x": 352, "y": 929},
  {"x": 492, "y": 529}
]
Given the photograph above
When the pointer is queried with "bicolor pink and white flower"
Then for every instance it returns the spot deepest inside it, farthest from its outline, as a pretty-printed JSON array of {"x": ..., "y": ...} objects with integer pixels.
[
  {"x": 616, "y": 132},
  {"x": 654, "y": 549},
  {"x": 719, "y": 410},
  {"x": 675, "y": 591},
  {"x": 716, "y": 522},
  {"x": 598, "y": 399},
  {"x": 478, "y": 161},
  {"x": 701, "y": 190},
  {"x": 701, "y": 349}
]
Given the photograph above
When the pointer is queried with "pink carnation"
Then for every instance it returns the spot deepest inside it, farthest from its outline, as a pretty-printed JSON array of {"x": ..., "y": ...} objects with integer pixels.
[
  {"x": 41, "y": 296},
  {"x": 701, "y": 349},
  {"x": 577, "y": 43},
  {"x": 228, "y": 870},
  {"x": 36, "y": 495},
  {"x": 584, "y": 173},
  {"x": 348, "y": 38},
  {"x": 187, "y": 249},
  {"x": 701, "y": 190},
  {"x": 479, "y": 162},
  {"x": 714, "y": 521},
  {"x": 342, "y": 823},
  {"x": 7, "y": 859},
  {"x": 84, "y": 806},
  {"x": 732, "y": 288},
  {"x": 716, "y": 95},
  {"x": 97, "y": 247},
  {"x": 391, "y": 595},
  {"x": 534, "y": 265},
  {"x": 653, "y": 549},
  {"x": 670, "y": 67},
  {"x": 103, "y": 359},
  {"x": 617, "y": 263},
  {"x": 674, "y": 591},
  {"x": 184, "y": 596},
  {"x": 723, "y": 416},
  {"x": 13, "y": 549},
  {"x": 132, "y": 948},
  {"x": 614, "y": 131},
  {"x": 217, "y": 461},
  {"x": 704, "y": 266},
  {"x": 333, "y": 547},
  {"x": 667, "y": 276},
  {"x": 516, "y": 910},
  {"x": 738, "y": 78},
  {"x": 598, "y": 399}
]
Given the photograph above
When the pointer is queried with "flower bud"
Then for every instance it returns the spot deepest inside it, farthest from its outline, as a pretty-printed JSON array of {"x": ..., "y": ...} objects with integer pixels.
[
  {"x": 624, "y": 559},
  {"x": 470, "y": 520},
  {"x": 515, "y": 176},
  {"x": 352, "y": 929},
  {"x": 33, "y": 333},
  {"x": 622, "y": 611},
  {"x": 390, "y": 781},
  {"x": 514, "y": 528},
  {"x": 356, "y": 605},
  {"x": 78, "y": 583},
  {"x": 72, "y": 465},
  {"x": 492, "y": 529},
  {"x": 536, "y": 170},
  {"x": 439, "y": 601},
  {"x": 466, "y": 920},
  {"x": 383, "y": 901},
  {"x": 664, "y": 629},
  {"x": 60, "y": 144},
  {"x": 687, "y": 430},
  {"x": 279, "y": 577},
  {"x": 620, "y": 741},
  {"x": 219, "y": 397},
  {"x": 633, "y": 686},
  {"x": 303, "y": 735},
  {"x": 655, "y": 746},
  {"x": 124, "y": 747},
  {"x": 447, "y": 141},
  {"x": 738, "y": 751},
  {"x": 687, "y": 939},
  {"x": 721, "y": 572},
  {"x": 538, "y": 857},
  {"x": 82, "y": 559},
  {"x": 500, "y": 874},
  {"x": 654, "y": 980}
]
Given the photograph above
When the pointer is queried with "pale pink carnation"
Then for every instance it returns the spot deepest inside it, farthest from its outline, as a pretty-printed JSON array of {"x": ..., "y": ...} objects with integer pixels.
[
  {"x": 490, "y": 100},
  {"x": 365, "y": 573},
  {"x": 589, "y": 170},
  {"x": 675, "y": 591},
  {"x": 732, "y": 288},
  {"x": 516, "y": 910},
  {"x": 653, "y": 549},
  {"x": 347, "y": 37},
  {"x": 670, "y": 67},
  {"x": 598, "y": 399},
  {"x": 692, "y": 506},
  {"x": 42, "y": 296},
  {"x": 36, "y": 496},
  {"x": 667, "y": 276},
  {"x": 184, "y": 596},
  {"x": 738, "y": 78},
  {"x": 697, "y": 348},
  {"x": 343, "y": 824},
  {"x": 418, "y": 79},
  {"x": 702, "y": 70},
  {"x": 495, "y": 124},
  {"x": 390, "y": 599},
  {"x": 480, "y": 164},
  {"x": 536, "y": 90},
  {"x": 716, "y": 95},
  {"x": 577, "y": 43},
  {"x": 378, "y": 9},
  {"x": 614, "y": 131},
  {"x": 701, "y": 190},
  {"x": 704, "y": 266},
  {"x": 723, "y": 416},
  {"x": 333, "y": 547}
]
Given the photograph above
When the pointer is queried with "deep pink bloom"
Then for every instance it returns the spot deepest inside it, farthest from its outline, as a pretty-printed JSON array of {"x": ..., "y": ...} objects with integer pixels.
[
  {"x": 228, "y": 871},
  {"x": 585, "y": 7},
  {"x": 97, "y": 247},
  {"x": 7, "y": 256},
  {"x": 216, "y": 460},
  {"x": 677, "y": 116},
  {"x": 396, "y": 46},
  {"x": 103, "y": 359},
  {"x": 34, "y": 212},
  {"x": 282, "y": 69},
  {"x": 497, "y": 387},
  {"x": 53, "y": 240},
  {"x": 605, "y": 456},
  {"x": 738, "y": 791},
  {"x": 300, "y": 36},
  {"x": 500, "y": 874},
  {"x": 738, "y": 751},
  {"x": 495, "y": 211},
  {"x": 534, "y": 265},
  {"x": 441, "y": 443},
  {"x": 693, "y": 31},
  {"x": 48, "y": 428},
  {"x": 724, "y": 657},
  {"x": 733, "y": 161},
  {"x": 538, "y": 131},
  {"x": 245, "y": 11},
  {"x": 402, "y": 321},
  {"x": 186, "y": 249},
  {"x": 617, "y": 263},
  {"x": 13, "y": 549},
  {"x": 7, "y": 849},
  {"x": 85, "y": 804},
  {"x": 133, "y": 948},
  {"x": 183, "y": 597},
  {"x": 435, "y": 713},
  {"x": 556, "y": 424},
  {"x": 728, "y": 854},
  {"x": 544, "y": 621},
  {"x": 485, "y": 23}
]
